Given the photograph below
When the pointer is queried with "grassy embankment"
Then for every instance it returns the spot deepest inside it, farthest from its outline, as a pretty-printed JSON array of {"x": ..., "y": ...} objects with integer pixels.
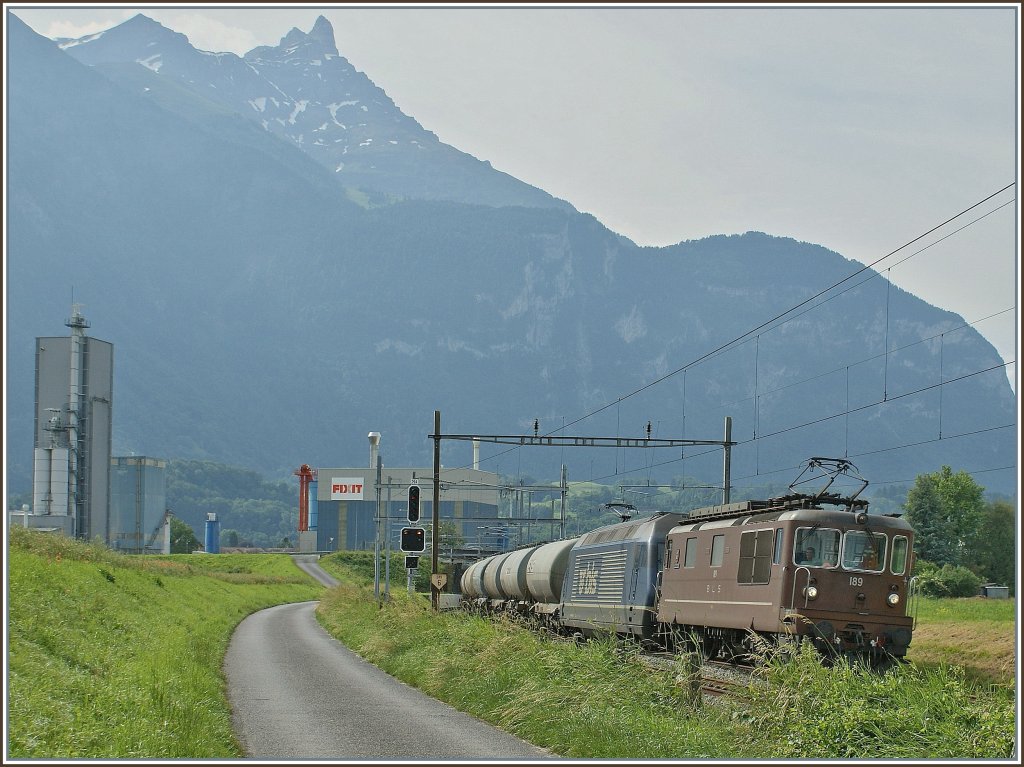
[
  {"x": 586, "y": 702},
  {"x": 119, "y": 657},
  {"x": 112, "y": 656},
  {"x": 976, "y": 634}
]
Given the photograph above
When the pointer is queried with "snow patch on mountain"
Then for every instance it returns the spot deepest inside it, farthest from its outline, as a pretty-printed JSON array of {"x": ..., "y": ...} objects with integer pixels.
[
  {"x": 153, "y": 62},
  {"x": 300, "y": 106},
  {"x": 65, "y": 44},
  {"x": 401, "y": 347},
  {"x": 380, "y": 147},
  {"x": 631, "y": 326}
]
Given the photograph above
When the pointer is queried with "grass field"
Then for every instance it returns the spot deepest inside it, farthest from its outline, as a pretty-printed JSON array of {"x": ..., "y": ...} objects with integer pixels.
[
  {"x": 584, "y": 701},
  {"x": 977, "y": 634},
  {"x": 119, "y": 657},
  {"x": 116, "y": 657}
]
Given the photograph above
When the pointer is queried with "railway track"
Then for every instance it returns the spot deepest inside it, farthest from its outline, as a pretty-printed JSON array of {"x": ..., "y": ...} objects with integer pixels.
[
  {"x": 714, "y": 678},
  {"x": 717, "y": 687}
]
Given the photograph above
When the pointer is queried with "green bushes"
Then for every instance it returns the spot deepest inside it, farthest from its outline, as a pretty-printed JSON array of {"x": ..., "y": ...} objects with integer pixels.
[{"x": 946, "y": 581}]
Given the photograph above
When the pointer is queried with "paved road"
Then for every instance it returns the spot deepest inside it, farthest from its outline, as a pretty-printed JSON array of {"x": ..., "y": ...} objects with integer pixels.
[
  {"x": 309, "y": 565},
  {"x": 298, "y": 693}
]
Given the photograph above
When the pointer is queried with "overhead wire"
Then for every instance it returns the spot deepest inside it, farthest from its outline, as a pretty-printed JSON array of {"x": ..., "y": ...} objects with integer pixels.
[
  {"x": 866, "y": 360},
  {"x": 746, "y": 336},
  {"x": 779, "y": 316}
]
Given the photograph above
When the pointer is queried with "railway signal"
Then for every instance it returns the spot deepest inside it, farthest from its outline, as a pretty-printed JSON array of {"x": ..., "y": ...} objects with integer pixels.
[
  {"x": 413, "y": 539},
  {"x": 411, "y": 565},
  {"x": 414, "y": 504}
]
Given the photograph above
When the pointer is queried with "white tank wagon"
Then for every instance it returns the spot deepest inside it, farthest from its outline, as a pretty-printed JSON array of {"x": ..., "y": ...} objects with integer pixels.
[
  {"x": 528, "y": 580},
  {"x": 545, "y": 571},
  {"x": 491, "y": 587},
  {"x": 472, "y": 581},
  {"x": 512, "y": 577}
]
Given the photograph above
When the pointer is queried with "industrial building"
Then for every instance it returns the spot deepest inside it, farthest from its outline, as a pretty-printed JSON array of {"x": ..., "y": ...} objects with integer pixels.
[
  {"x": 346, "y": 504},
  {"x": 138, "y": 505},
  {"x": 343, "y": 505},
  {"x": 78, "y": 488},
  {"x": 73, "y": 404}
]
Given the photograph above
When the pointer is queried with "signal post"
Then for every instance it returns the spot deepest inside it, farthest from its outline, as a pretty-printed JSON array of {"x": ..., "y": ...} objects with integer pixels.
[
  {"x": 413, "y": 538},
  {"x": 436, "y": 582}
]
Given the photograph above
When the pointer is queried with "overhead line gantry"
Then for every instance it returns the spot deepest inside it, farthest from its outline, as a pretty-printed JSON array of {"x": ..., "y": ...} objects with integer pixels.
[{"x": 553, "y": 440}]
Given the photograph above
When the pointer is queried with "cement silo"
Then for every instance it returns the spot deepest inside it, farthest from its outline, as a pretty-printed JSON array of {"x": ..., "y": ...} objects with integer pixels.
[
  {"x": 212, "y": 543},
  {"x": 73, "y": 401},
  {"x": 138, "y": 504}
]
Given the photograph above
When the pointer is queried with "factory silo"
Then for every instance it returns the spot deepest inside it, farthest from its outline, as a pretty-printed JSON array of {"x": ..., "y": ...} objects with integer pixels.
[
  {"x": 212, "y": 544},
  {"x": 138, "y": 503},
  {"x": 72, "y": 442}
]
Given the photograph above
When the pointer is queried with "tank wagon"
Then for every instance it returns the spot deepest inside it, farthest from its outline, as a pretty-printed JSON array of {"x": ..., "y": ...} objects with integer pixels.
[
  {"x": 527, "y": 581},
  {"x": 802, "y": 567}
]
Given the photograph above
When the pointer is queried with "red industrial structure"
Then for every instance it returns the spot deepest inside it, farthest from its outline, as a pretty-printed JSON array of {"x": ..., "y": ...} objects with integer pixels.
[{"x": 305, "y": 475}]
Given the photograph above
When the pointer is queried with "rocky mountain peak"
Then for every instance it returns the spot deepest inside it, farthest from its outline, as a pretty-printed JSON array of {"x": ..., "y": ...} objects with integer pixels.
[
  {"x": 140, "y": 34},
  {"x": 323, "y": 33},
  {"x": 319, "y": 41},
  {"x": 305, "y": 92}
]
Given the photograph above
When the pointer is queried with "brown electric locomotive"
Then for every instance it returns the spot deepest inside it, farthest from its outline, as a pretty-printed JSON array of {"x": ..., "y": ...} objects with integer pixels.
[
  {"x": 802, "y": 567},
  {"x": 798, "y": 568}
]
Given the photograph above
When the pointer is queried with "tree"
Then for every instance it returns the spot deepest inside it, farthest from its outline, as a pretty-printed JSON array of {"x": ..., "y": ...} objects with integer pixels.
[
  {"x": 451, "y": 534},
  {"x": 945, "y": 510},
  {"x": 965, "y": 502},
  {"x": 183, "y": 538},
  {"x": 995, "y": 551},
  {"x": 229, "y": 537}
]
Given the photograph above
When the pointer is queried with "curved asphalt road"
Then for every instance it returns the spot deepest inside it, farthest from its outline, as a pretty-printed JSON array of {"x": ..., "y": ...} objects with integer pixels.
[{"x": 298, "y": 693}]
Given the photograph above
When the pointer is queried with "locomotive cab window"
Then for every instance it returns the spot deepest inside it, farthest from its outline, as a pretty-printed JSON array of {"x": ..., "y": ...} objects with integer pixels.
[
  {"x": 900, "y": 547},
  {"x": 756, "y": 549},
  {"x": 863, "y": 550},
  {"x": 690, "y": 560},
  {"x": 717, "y": 550},
  {"x": 816, "y": 547}
]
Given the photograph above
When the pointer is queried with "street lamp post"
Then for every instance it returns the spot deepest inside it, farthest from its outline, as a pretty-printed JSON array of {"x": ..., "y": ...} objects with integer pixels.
[{"x": 376, "y": 542}]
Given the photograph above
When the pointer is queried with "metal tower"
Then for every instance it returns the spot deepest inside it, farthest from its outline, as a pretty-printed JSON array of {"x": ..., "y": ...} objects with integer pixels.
[{"x": 306, "y": 475}]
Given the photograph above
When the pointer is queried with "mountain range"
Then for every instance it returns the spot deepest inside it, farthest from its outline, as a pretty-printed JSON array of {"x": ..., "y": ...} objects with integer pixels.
[{"x": 284, "y": 261}]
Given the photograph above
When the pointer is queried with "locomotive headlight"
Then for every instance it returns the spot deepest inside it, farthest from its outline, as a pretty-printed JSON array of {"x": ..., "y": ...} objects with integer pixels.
[
  {"x": 893, "y": 599},
  {"x": 811, "y": 592}
]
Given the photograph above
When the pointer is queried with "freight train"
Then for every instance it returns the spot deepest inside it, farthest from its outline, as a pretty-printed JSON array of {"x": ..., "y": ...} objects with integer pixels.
[{"x": 804, "y": 567}]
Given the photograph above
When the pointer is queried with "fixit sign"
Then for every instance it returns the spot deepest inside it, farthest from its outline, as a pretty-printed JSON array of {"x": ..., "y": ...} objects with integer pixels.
[{"x": 346, "y": 488}]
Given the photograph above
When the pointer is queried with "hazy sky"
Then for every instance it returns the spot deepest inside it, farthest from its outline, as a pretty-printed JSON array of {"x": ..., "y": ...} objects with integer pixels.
[{"x": 855, "y": 128}]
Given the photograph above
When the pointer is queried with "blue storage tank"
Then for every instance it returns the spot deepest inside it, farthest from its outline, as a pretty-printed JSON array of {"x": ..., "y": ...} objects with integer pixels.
[
  {"x": 312, "y": 504},
  {"x": 212, "y": 534}
]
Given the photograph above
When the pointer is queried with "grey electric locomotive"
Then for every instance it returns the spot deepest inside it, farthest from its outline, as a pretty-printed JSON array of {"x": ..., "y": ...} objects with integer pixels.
[{"x": 611, "y": 578}]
